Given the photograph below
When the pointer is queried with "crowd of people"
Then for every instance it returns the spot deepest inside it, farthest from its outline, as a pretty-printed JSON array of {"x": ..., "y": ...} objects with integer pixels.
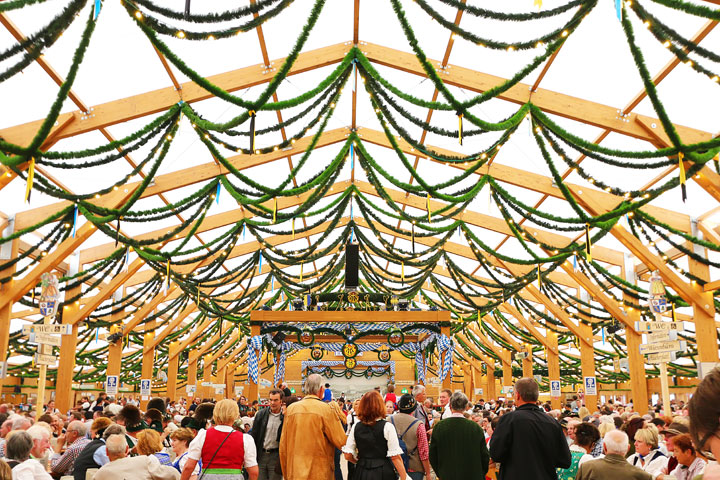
[{"x": 381, "y": 438}]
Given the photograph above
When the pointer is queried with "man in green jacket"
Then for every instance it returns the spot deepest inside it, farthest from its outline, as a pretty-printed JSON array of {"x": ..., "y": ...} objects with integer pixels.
[{"x": 458, "y": 450}]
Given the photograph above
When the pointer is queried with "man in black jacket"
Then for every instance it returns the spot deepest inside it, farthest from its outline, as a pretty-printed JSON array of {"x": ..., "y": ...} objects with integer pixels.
[
  {"x": 266, "y": 430},
  {"x": 528, "y": 443}
]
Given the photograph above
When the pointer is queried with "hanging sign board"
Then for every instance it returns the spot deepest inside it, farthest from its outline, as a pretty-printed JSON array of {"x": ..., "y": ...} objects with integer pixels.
[
  {"x": 265, "y": 382},
  {"x": 239, "y": 390},
  {"x": 662, "y": 336},
  {"x": 555, "y": 388},
  {"x": 45, "y": 339},
  {"x": 145, "y": 387},
  {"x": 655, "y": 326},
  {"x": 42, "y": 359},
  {"x": 63, "y": 329},
  {"x": 190, "y": 389},
  {"x": 3, "y": 369},
  {"x": 590, "y": 385},
  {"x": 111, "y": 385},
  {"x": 660, "y": 347},
  {"x": 478, "y": 391},
  {"x": 664, "y": 357}
]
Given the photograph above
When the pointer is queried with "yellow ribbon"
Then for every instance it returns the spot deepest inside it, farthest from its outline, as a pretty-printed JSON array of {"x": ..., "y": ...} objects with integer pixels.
[
  {"x": 301, "y": 271},
  {"x": 31, "y": 177},
  {"x": 683, "y": 178},
  {"x": 460, "y": 127},
  {"x": 588, "y": 243},
  {"x": 428, "y": 208},
  {"x": 402, "y": 271},
  {"x": 168, "y": 273},
  {"x": 293, "y": 229},
  {"x": 538, "y": 3},
  {"x": 672, "y": 309},
  {"x": 275, "y": 211}
]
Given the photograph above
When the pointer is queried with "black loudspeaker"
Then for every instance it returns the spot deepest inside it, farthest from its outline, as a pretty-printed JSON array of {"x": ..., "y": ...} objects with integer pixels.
[
  {"x": 352, "y": 252},
  {"x": 278, "y": 338}
]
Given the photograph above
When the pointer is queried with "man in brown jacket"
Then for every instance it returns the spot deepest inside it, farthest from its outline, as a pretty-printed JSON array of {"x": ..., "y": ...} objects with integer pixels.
[{"x": 311, "y": 433}]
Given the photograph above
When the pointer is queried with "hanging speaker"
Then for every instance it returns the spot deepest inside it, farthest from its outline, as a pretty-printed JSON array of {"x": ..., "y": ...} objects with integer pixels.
[{"x": 351, "y": 265}]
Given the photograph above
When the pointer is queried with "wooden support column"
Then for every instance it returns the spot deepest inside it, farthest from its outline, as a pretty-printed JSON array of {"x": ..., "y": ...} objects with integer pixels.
[
  {"x": 148, "y": 359},
  {"x": 633, "y": 339},
  {"x": 172, "y": 372},
  {"x": 447, "y": 381},
  {"x": 490, "y": 375},
  {"x": 220, "y": 378},
  {"x": 507, "y": 380},
  {"x": 229, "y": 382},
  {"x": 527, "y": 363},
  {"x": 587, "y": 365},
  {"x": 207, "y": 392},
  {"x": 553, "y": 363},
  {"x": 479, "y": 382},
  {"x": 192, "y": 370},
  {"x": 66, "y": 363},
  {"x": 705, "y": 329},
  {"x": 468, "y": 380},
  {"x": 6, "y": 310},
  {"x": 252, "y": 391}
]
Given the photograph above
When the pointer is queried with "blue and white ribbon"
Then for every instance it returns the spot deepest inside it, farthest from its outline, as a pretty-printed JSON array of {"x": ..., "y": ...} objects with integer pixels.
[
  {"x": 280, "y": 365},
  {"x": 254, "y": 357},
  {"x": 445, "y": 345}
]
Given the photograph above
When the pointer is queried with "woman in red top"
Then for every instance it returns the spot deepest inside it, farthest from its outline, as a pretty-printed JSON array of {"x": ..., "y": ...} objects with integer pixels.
[
  {"x": 390, "y": 395},
  {"x": 223, "y": 450}
]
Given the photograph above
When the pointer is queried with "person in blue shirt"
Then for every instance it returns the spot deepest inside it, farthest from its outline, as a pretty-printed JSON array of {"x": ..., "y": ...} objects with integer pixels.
[{"x": 328, "y": 394}]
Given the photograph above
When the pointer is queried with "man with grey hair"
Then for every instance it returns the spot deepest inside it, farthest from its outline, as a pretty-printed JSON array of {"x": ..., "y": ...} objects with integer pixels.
[
  {"x": 458, "y": 450},
  {"x": 122, "y": 467},
  {"x": 18, "y": 423},
  {"x": 311, "y": 432},
  {"x": 41, "y": 451},
  {"x": 418, "y": 392},
  {"x": 529, "y": 443},
  {"x": 613, "y": 466},
  {"x": 19, "y": 445},
  {"x": 76, "y": 439}
]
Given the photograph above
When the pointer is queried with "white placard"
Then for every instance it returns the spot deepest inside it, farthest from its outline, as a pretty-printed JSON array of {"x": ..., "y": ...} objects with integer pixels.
[
  {"x": 660, "y": 347},
  {"x": 555, "y": 390},
  {"x": 219, "y": 385},
  {"x": 590, "y": 385},
  {"x": 239, "y": 390},
  {"x": 265, "y": 382},
  {"x": 665, "y": 357},
  {"x": 45, "y": 339},
  {"x": 478, "y": 391},
  {"x": 433, "y": 380},
  {"x": 63, "y": 329},
  {"x": 3, "y": 369},
  {"x": 508, "y": 390},
  {"x": 111, "y": 385},
  {"x": 663, "y": 336},
  {"x": 655, "y": 326},
  {"x": 219, "y": 391},
  {"x": 207, "y": 384},
  {"x": 145, "y": 387},
  {"x": 42, "y": 359},
  {"x": 190, "y": 389}
]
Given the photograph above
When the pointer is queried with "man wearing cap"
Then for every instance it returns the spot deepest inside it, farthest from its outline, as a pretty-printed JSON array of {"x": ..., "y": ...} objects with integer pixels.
[
  {"x": 412, "y": 431},
  {"x": 669, "y": 433}
]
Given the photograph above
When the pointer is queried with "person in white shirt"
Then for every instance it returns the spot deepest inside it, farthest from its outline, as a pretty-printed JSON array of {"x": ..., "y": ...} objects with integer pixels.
[
  {"x": 18, "y": 446},
  {"x": 444, "y": 399},
  {"x": 689, "y": 464},
  {"x": 647, "y": 456}
]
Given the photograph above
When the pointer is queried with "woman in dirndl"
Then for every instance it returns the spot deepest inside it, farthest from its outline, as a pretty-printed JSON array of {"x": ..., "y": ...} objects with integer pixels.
[
  {"x": 373, "y": 443},
  {"x": 224, "y": 451}
]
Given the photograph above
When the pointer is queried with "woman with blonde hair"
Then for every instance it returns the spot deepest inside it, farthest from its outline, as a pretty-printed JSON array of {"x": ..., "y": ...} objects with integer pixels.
[
  {"x": 5, "y": 471},
  {"x": 605, "y": 428},
  {"x": 150, "y": 444},
  {"x": 647, "y": 456},
  {"x": 373, "y": 443},
  {"x": 180, "y": 440},
  {"x": 223, "y": 450}
]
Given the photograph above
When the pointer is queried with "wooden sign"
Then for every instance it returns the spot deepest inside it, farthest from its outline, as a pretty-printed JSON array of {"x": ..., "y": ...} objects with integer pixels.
[
  {"x": 42, "y": 359},
  {"x": 662, "y": 336},
  {"x": 657, "y": 326},
  {"x": 63, "y": 329},
  {"x": 45, "y": 339},
  {"x": 655, "y": 358},
  {"x": 661, "y": 347}
]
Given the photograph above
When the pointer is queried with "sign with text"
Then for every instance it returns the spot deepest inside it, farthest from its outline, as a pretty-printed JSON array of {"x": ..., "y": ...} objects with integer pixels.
[
  {"x": 265, "y": 382},
  {"x": 239, "y": 390},
  {"x": 590, "y": 385},
  {"x": 190, "y": 389},
  {"x": 3, "y": 369},
  {"x": 42, "y": 359},
  {"x": 64, "y": 329},
  {"x": 45, "y": 339},
  {"x": 662, "y": 336},
  {"x": 655, "y": 326},
  {"x": 661, "y": 347},
  {"x": 145, "y": 387},
  {"x": 555, "y": 390},
  {"x": 433, "y": 380},
  {"x": 665, "y": 357},
  {"x": 478, "y": 391},
  {"x": 111, "y": 384}
]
